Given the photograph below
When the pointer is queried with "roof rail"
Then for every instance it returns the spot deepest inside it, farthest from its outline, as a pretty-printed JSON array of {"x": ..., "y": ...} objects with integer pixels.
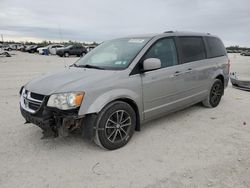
[{"x": 168, "y": 31}]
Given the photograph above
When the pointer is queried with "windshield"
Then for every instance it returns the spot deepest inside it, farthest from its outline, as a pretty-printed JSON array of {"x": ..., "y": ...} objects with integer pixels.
[{"x": 113, "y": 55}]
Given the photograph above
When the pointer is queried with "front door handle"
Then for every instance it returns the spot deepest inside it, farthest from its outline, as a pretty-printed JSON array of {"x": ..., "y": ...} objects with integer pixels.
[{"x": 188, "y": 70}]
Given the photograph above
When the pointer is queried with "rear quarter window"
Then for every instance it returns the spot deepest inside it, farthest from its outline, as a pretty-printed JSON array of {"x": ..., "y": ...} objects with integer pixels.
[
  {"x": 215, "y": 47},
  {"x": 192, "y": 49}
]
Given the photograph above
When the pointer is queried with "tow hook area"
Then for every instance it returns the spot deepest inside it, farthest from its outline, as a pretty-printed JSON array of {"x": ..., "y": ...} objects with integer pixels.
[{"x": 67, "y": 125}]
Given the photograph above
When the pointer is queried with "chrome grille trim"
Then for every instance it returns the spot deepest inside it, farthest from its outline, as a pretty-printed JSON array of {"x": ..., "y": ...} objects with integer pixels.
[{"x": 26, "y": 100}]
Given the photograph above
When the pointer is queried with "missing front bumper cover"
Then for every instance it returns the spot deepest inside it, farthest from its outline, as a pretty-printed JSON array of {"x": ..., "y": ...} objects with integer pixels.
[{"x": 54, "y": 123}]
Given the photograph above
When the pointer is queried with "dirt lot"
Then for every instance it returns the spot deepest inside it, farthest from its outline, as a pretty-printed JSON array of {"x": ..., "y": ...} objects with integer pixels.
[{"x": 196, "y": 147}]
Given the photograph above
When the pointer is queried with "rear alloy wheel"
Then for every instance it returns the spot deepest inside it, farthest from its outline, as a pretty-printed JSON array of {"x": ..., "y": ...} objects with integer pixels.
[
  {"x": 66, "y": 54},
  {"x": 215, "y": 95},
  {"x": 116, "y": 125},
  {"x": 83, "y": 54}
]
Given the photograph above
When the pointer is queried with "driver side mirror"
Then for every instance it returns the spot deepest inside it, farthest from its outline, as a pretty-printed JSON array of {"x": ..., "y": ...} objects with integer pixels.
[{"x": 151, "y": 64}]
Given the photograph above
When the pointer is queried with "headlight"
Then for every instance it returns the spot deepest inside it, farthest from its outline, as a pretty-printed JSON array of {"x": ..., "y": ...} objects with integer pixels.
[{"x": 66, "y": 101}]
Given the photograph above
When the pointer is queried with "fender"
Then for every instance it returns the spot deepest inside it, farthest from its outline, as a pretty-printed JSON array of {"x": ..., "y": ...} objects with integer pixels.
[{"x": 97, "y": 104}]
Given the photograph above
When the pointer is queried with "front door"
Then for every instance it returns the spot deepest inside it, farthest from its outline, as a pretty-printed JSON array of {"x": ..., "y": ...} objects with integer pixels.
[{"x": 163, "y": 89}]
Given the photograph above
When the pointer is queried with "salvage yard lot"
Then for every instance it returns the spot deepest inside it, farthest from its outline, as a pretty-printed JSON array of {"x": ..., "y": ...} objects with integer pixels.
[{"x": 196, "y": 147}]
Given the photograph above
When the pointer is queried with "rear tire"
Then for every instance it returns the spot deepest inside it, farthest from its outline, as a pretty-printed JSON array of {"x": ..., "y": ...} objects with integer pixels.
[
  {"x": 214, "y": 97},
  {"x": 115, "y": 125}
]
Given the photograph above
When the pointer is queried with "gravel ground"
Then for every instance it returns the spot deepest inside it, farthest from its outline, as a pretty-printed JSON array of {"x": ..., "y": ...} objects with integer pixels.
[{"x": 196, "y": 147}]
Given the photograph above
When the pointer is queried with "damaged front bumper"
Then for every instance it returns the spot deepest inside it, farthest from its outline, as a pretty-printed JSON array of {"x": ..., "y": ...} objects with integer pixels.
[
  {"x": 239, "y": 84},
  {"x": 54, "y": 122}
]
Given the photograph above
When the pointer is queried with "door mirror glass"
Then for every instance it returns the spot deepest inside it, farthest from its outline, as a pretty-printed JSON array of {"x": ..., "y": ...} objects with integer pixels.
[{"x": 151, "y": 64}]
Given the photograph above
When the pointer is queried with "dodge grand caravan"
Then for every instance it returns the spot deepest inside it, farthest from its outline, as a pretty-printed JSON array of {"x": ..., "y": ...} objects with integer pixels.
[{"x": 122, "y": 83}]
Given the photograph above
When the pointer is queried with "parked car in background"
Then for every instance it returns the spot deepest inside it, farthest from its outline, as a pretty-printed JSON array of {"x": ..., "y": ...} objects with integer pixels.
[
  {"x": 33, "y": 48},
  {"x": 28, "y": 47},
  {"x": 54, "y": 48},
  {"x": 50, "y": 49},
  {"x": 76, "y": 49},
  {"x": 7, "y": 47},
  {"x": 245, "y": 53},
  {"x": 89, "y": 48},
  {"x": 13, "y": 46},
  {"x": 20, "y": 46},
  {"x": 126, "y": 82},
  {"x": 41, "y": 49}
]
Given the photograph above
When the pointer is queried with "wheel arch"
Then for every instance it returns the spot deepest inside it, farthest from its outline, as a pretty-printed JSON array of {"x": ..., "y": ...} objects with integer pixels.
[
  {"x": 93, "y": 105},
  {"x": 133, "y": 104},
  {"x": 222, "y": 79}
]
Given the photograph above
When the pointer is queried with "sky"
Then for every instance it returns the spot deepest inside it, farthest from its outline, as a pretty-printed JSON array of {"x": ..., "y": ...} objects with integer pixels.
[{"x": 100, "y": 20}]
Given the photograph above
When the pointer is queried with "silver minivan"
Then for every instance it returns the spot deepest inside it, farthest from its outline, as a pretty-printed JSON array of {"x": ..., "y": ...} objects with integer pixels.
[{"x": 121, "y": 84}]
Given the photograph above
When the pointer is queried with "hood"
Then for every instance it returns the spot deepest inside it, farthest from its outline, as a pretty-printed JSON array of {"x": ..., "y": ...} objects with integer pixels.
[{"x": 71, "y": 79}]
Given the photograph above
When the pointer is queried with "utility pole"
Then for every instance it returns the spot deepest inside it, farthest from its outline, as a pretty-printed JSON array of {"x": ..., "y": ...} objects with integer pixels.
[{"x": 2, "y": 37}]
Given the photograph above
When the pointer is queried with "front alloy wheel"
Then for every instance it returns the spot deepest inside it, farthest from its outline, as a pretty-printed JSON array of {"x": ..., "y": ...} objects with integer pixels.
[{"x": 116, "y": 125}]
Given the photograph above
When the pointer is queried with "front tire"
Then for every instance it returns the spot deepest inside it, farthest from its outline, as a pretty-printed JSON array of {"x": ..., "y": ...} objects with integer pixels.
[
  {"x": 115, "y": 125},
  {"x": 214, "y": 97}
]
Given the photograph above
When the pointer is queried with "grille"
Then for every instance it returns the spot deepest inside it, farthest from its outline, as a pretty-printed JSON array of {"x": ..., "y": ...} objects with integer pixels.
[
  {"x": 34, "y": 106},
  {"x": 37, "y": 96},
  {"x": 31, "y": 101}
]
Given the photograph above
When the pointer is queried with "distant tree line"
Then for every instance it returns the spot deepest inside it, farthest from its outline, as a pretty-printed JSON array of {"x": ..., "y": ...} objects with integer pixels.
[
  {"x": 45, "y": 43},
  {"x": 236, "y": 47}
]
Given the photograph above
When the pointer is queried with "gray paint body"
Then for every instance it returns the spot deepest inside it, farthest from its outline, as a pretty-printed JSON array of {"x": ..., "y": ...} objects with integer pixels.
[{"x": 155, "y": 92}]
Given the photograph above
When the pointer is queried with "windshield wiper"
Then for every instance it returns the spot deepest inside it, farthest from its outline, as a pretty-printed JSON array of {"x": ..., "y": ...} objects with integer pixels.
[{"x": 89, "y": 66}]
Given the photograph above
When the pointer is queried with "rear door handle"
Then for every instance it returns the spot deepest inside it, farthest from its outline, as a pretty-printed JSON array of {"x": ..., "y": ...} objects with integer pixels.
[{"x": 177, "y": 73}]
